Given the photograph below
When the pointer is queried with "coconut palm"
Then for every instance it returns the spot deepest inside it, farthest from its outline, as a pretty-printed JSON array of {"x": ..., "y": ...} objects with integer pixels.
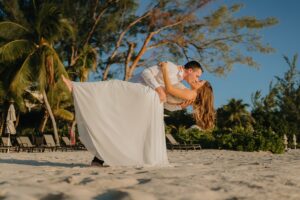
[
  {"x": 29, "y": 48},
  {"x": 234, "y": 114}
]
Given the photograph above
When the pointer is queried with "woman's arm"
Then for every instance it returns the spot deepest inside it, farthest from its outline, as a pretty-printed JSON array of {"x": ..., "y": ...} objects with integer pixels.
[{"x": 185, "y": 94}]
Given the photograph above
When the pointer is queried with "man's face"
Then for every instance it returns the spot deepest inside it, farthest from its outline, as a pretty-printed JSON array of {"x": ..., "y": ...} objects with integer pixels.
[{"x": 193, "y": 75}]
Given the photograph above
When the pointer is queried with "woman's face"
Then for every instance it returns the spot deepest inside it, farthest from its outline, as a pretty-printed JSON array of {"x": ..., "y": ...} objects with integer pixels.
[{"x": 197, "y": 84}]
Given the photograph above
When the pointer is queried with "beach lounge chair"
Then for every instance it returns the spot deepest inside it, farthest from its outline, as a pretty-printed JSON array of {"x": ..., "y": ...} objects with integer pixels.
[
  {"x": 68, "y": 144},
  {"x": 26, "y": 145},
  {"x": 174, "y": 145},
  {"x": 7, "y": 146},
  {"x": 80, "y": 146},
  {"x": 3, "y": 148},
  {"x": 50, "y": 143},
  {"x": 77, "y": 146}
]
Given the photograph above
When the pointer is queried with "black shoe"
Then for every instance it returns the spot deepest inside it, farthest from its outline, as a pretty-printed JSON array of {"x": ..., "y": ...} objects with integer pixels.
[{"x": 97, "y": 162}]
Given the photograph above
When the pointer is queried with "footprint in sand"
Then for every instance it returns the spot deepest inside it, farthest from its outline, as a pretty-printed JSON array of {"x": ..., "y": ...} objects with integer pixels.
[
  {"x": 86, "y": 181},
  {"x": 143, "y": 181},
  {"x": 113, "y": 194},
  {"x": 125, "y": 195},
  {"x": 55, "y": 196},
  {"x": 3, "y": 183},
  {"x": 142, "y": 172}
]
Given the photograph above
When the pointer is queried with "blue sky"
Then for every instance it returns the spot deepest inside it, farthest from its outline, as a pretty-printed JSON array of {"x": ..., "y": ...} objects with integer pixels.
[
  {"x": 242, "y": 81},
  {"x": 284, "y": 37}
]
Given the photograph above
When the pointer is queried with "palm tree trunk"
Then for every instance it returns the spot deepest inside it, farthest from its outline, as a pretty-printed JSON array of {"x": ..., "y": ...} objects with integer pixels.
[
  {"x": 51, "y": 117},
  {"x": 44, "y": 122},
  {"x": 73, "y": 130},
  {"x": 2, "y": 123},
  {"x": 17, "y": 120}
]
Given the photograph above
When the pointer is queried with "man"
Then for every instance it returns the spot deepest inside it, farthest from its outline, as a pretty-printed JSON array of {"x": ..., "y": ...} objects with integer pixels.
[{"x": 153, "y": 78}]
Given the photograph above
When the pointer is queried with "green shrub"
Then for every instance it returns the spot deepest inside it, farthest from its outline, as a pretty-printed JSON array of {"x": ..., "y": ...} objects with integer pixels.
[{"x": 239, "y": 139}]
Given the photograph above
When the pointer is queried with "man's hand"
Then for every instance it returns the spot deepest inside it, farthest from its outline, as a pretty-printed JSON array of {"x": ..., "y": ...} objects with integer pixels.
[
  {"x": 161, "y": 93},
  {"x": 185, "y": 104}
]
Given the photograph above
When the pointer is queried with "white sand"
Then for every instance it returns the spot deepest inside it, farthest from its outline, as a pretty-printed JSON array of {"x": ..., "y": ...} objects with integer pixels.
[{"x": 205, "y": 174}]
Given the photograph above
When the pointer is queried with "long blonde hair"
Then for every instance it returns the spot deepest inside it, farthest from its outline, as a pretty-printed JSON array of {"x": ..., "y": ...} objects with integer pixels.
[{"x": 204, "y": 111}]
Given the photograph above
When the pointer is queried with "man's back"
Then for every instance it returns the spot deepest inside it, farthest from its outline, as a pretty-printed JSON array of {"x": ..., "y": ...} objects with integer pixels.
[{"x": 153, "y": 76}]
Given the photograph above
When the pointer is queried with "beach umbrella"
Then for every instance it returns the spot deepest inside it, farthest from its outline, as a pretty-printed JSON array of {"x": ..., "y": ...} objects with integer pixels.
[{"x": 10, "y": 119}]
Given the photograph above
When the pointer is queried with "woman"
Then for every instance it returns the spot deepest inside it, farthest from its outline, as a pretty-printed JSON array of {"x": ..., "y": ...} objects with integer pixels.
[{"x": 120, "y": 122}]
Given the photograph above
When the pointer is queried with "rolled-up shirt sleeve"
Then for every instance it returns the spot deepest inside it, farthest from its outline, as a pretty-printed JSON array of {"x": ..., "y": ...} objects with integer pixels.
[{"x": 148, "y": 76}]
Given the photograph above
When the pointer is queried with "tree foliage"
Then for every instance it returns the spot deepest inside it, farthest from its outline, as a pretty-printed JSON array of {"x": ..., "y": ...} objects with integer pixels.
[
  {"x": 280, "y": 108},
  {"x": 234, "y": 114},
  {"x": 29, "y": 58}
]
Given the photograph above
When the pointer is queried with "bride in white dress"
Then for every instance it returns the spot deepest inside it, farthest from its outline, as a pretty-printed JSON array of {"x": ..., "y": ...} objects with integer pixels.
[{"x": 122, "y": 122}]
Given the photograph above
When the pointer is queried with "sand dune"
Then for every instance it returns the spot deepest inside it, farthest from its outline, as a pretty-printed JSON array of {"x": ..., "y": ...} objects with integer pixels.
[{"x": 205, "y": 174}]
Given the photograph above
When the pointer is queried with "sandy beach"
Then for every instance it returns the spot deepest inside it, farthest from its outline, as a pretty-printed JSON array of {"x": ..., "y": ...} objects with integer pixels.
[{"x": 205, "y": 174}]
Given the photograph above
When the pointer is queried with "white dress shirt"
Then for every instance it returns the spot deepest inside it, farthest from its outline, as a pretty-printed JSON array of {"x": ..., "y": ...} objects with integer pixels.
[{"x": 153, "y": 77}]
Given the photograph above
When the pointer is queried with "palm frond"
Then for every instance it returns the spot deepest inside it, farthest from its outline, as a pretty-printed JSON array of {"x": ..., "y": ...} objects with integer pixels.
[
  {"x": 50, "y": 24},
  {"x": 15, "y": 49},
  {"x": 67, "y": 29},
  {"x": 23, "y": 77},
  {"x": 19, "y": 102},
  {"x": 64, "y": 93},
  {"x": 59, "y": 67},
  {"x": 14, "y": 10},
  {"x": 2, "y": 92},
  {"x": 59, "y": 96},
  {"x": 12, "y": 30},
  {"x": 63, "y": 114},
  {"x": 41, "y": 68}
]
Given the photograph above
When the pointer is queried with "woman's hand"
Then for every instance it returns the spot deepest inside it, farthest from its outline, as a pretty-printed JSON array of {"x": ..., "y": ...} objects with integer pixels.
[{"x": 185, "y": 104}]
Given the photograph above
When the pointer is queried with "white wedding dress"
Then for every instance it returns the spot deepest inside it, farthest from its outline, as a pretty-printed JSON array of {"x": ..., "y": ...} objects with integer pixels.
[{"x": 121, "y": 122}]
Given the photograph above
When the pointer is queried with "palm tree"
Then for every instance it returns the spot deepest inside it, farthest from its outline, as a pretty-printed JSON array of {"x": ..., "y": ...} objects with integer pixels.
[
  {"x": 234, "y": 114},
  {"x": 29, "y": 47}
]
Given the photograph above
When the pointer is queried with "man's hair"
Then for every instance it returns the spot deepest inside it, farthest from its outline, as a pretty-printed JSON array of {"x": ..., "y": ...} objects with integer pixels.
[{"x": 193, "y": 65}]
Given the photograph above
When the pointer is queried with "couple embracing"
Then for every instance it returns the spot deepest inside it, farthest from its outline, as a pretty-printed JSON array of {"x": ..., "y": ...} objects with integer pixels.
[{"x": 121, "y": 123}]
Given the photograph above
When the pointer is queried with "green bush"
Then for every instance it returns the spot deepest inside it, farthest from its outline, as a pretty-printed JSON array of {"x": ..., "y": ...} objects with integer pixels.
[{"x": 239, "y": 139}]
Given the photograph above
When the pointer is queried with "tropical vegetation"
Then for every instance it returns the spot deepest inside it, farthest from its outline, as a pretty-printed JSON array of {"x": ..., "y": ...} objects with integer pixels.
[{"x": 91, "y": 40}]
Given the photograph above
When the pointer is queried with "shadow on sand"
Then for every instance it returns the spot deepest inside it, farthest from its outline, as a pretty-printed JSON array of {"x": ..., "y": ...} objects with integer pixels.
[{"x": 41, "y": 163}]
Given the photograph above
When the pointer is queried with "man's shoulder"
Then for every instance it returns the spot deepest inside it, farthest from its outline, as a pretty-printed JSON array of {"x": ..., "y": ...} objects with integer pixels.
[
  {"x": 173, "y": 68},
  {"x": 172, "y": 65}
]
